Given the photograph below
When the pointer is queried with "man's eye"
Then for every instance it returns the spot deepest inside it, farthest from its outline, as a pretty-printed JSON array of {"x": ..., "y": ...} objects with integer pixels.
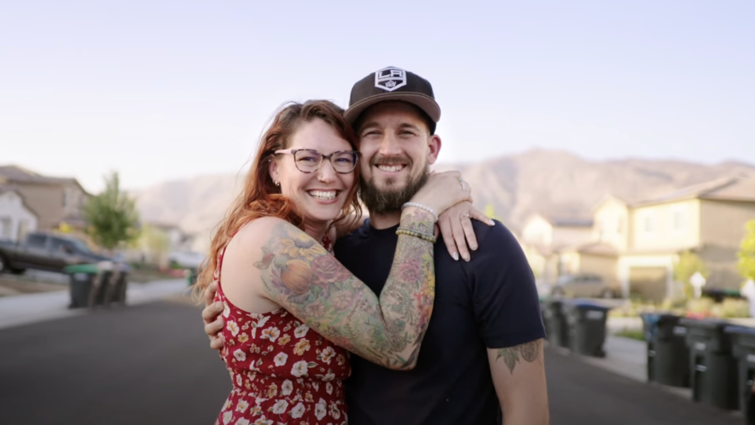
[{"x": 370, "y": 133}]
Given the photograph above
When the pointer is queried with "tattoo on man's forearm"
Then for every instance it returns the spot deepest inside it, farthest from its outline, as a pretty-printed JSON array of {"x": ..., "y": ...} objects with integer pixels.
[
  {"x": 312, "y": 284},
  {"x": 529, "y": 351}
]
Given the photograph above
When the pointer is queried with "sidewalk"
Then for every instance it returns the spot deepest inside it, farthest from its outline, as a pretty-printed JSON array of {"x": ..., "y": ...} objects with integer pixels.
[
  {"x": 625, "y": 356},
  {"x": 23, "y": 309}
]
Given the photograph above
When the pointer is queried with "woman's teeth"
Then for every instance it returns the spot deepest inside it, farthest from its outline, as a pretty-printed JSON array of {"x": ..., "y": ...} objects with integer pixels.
[
  {"x": 391, "y": 168},
  {"x": 323, "y": 194}
]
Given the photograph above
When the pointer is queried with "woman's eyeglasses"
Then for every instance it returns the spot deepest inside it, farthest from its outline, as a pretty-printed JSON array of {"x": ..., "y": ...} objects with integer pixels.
[{"x": 309, "y": 160}]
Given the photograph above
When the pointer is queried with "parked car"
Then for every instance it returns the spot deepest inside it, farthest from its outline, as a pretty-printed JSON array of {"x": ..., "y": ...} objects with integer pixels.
[
  {"x": 45, "y": 251},
  {"x": 578, "y": 286},
  {"x": 186, "y": 259}
]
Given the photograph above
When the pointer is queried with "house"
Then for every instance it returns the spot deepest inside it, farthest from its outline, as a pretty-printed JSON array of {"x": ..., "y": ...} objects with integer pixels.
[
  {"x": 543, "y": 236},
  {"x": 158, "y": 243},
  {"x": 636, "y": 246},
  {"x": 54, "y": 200},
  {"x": 16, "y": 217},
  {"x": 708, "y": 219}
]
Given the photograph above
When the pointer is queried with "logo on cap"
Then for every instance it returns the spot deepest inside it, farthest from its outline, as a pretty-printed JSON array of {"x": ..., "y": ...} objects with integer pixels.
[{"x": 390, "y": 79}]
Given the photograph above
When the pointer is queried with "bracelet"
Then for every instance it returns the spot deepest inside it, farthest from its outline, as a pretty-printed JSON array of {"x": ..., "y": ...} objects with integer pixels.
[
  {"x": 422, "y": 207},
  {"x": 416, "y": 234}
]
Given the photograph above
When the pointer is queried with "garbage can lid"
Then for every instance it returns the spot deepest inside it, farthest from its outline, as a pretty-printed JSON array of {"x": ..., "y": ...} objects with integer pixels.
[
  {"x": 739, "y": 329},
  {"x": 81, "y": 268}
]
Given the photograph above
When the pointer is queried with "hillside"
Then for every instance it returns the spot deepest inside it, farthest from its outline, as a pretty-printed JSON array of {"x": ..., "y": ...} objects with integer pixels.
[{"x": 553, "y": 182}]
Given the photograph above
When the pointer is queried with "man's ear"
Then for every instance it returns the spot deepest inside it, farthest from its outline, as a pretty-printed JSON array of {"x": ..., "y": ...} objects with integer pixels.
[{"x": 434, "y": 144}]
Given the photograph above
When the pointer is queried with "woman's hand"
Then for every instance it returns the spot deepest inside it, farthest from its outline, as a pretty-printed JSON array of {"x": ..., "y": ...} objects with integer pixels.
[
  {"x": 442, "y": 191},
  {"x": 456, "y": 227}
]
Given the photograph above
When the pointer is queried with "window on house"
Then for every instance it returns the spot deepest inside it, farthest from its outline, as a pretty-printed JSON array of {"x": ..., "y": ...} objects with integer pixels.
[
  {"x": 679, "y": 221},
  {"x": 65, "y": 198},
  {"x": 647, "y": 224},
  {"x": 619, "y": 225}
]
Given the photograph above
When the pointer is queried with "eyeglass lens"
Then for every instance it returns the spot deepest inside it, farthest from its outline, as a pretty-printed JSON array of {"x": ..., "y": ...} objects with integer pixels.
[{"x": 310, "y": 160}]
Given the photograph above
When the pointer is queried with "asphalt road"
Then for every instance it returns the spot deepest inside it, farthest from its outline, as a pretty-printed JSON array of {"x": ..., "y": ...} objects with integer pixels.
[{"x": 150, "y": 364}]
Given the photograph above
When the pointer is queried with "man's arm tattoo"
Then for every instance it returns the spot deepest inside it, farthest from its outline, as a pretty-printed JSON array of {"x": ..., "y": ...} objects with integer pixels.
[{"x": 529, "y": 351}]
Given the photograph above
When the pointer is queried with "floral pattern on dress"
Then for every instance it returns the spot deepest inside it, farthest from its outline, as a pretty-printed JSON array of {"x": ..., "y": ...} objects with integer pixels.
[{"x": 282, "y": 371}]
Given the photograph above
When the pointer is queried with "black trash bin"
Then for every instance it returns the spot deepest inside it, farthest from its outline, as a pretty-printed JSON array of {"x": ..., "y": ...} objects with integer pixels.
[
  {"x": 100, "y": 294},
  {"x": 743, "y": 349},
  {"x": 118, "y": 284},
  {"x": 667, "y": 352},
  {"x": 586, "y": 322},
  {"x": 713, "y": 368},
  {"x": 82, "y": 278},
  {"x": 556, "y": 327}
]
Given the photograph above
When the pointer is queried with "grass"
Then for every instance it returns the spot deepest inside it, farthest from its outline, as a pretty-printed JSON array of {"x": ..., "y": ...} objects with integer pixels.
[{"x": 632, "y": 334}]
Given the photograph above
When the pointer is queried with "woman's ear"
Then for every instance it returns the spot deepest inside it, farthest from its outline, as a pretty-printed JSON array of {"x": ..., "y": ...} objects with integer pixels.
[{"x": 273, "y": 170}]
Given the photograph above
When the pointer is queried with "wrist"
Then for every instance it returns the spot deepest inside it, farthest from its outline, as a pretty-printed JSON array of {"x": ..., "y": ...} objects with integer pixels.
[
  {"x": 421, "y": 207},
  {"x": 417, "y": 219}
]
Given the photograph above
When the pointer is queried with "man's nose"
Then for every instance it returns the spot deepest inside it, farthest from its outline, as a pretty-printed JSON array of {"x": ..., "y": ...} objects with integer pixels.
[{"x": 389, "y": 145}]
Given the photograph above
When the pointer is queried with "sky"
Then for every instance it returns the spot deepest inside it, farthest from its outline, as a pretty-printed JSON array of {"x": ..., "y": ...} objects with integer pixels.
[{"x": 163, "y": 90}]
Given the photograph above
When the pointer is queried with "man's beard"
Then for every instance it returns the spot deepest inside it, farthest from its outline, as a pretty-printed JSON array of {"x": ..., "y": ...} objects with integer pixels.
[{"x": 381, "y": 201}]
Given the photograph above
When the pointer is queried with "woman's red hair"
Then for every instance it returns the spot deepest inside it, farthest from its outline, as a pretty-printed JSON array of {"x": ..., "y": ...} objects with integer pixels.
[{"x": 260, "y": 196}]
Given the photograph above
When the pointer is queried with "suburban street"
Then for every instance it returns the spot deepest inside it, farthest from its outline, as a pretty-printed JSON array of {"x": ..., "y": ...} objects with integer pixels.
[{"x": 150, "y": 364}]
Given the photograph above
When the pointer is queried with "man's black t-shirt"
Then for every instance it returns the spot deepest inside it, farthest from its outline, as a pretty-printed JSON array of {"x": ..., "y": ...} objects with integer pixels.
[{"x": 490, "y": 302}]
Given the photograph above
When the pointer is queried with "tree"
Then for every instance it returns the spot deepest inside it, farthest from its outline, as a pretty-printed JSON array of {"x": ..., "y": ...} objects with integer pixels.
[
  {"x": 111, "y": 216},
  {"x": 746, "y": 253},
  {"x": 689, "y": 264}
]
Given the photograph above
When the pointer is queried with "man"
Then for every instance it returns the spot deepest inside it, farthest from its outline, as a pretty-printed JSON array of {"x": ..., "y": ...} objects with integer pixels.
[{"x": 482, "y": 352}]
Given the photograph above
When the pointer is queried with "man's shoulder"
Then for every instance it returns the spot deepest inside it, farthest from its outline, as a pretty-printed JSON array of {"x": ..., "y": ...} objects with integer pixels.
[{"x": 494, "y": 238}]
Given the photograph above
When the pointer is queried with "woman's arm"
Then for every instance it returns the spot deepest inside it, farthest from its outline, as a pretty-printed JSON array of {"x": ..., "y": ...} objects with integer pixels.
[{"x": 299, "y": 275}]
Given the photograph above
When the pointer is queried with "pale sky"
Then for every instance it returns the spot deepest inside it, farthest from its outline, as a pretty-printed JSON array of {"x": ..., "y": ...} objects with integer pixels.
[{"x": 161, "y": 90}]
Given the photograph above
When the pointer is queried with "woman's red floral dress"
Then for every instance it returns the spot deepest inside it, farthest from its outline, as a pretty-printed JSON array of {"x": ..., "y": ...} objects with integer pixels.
[{"x": 282, "y": 371}]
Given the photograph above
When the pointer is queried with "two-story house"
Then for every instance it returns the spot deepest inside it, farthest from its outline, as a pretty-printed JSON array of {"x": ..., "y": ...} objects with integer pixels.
[
  {"x": 54, "y": 200},
  {"x": 636, "y": 246},
  {"x": 543, "y": 237}
]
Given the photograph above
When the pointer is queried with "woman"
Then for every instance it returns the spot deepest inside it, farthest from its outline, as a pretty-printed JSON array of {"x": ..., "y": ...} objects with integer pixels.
[{"x": 291, "y": 310}]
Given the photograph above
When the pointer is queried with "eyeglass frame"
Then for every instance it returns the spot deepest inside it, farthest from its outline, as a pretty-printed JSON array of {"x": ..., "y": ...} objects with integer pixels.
[{"x": 323, "y": 157}]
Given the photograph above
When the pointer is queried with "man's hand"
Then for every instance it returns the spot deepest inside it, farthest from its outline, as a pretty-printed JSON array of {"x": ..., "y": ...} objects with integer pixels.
[{"x": 213, "y": 323}]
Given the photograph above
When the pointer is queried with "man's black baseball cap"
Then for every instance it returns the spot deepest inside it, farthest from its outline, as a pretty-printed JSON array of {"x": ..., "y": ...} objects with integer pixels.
[{"x": 392, "y": 83}]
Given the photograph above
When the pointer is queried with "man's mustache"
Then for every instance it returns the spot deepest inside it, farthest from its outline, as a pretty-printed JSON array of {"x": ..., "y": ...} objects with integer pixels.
[{"x": 390, "y": 160}]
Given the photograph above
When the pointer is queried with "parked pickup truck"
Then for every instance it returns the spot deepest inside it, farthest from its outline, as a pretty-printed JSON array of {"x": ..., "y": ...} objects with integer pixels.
[{"x": 46, "y": 252}]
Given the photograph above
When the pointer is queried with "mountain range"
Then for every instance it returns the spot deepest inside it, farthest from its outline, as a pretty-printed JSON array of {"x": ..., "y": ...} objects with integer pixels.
[{"x": 554, "y": 183}]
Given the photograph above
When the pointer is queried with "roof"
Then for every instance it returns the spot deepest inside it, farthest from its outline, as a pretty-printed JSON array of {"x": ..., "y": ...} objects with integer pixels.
[
  {"x": 565, "y": 221},
  {"x": 598, "y": 248},
  {"x": 595, "y": 248},
  {"x": 723, "y": 189},
  {"x": 571, "y": 221},
  {"x": 4, "y": 188},
  {"x": 16, "y": 174},
  {"x": 607, "y": 198}
]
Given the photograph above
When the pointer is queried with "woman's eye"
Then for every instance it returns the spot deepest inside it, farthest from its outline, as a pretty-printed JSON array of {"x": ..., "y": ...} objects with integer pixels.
[{"x": 308, "y": 159}]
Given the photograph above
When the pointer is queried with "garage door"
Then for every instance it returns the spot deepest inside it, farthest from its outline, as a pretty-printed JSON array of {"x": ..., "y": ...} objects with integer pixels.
[{"x": 648, "y": 283}]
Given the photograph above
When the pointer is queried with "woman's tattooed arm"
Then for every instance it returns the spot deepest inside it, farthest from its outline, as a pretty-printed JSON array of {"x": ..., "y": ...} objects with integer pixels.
[{"x": 311, "y": 284}]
